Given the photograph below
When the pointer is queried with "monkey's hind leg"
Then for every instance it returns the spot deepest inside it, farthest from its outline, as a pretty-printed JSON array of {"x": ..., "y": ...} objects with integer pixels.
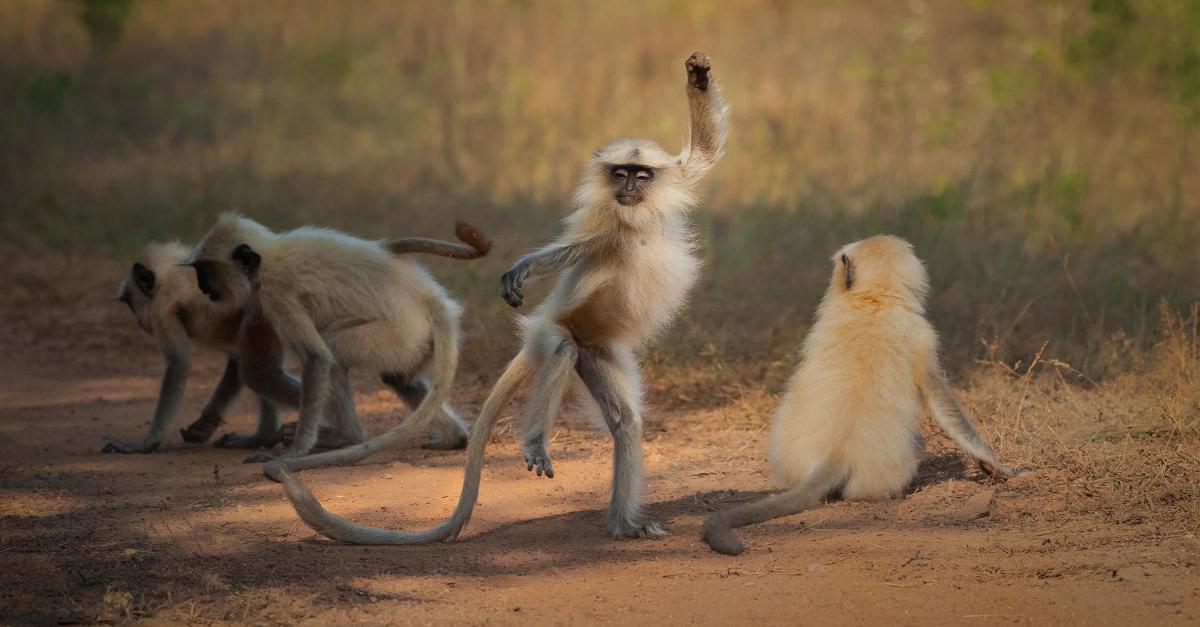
[
  {"x": 613, "y": 384},
  {"x": 448, "y": 431},
  {"x": 544, "y": 404}
]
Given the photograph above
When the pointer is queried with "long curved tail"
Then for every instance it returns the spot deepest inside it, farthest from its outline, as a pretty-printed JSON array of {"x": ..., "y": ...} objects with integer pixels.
[
  {"x": 477, "y": 244},
  {"x": 718, "y": 528},
  {"x": 334, "y": 527}
]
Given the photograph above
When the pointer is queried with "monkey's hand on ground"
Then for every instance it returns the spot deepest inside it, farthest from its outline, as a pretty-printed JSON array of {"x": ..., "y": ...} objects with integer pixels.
[
  {"x": 202, "y": 429},
  {"x": 125, "y": 447},
  {"x": 698, "y": 68},
  {"x": 512, "y": 285}
]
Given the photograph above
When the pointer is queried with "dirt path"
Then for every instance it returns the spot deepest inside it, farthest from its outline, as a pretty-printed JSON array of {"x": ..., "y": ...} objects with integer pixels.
[{"x": 191, "y": 534}]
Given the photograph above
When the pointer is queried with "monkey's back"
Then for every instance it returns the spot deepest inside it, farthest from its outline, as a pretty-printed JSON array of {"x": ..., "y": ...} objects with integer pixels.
[
  {"x": 363, "y": 300},
  {"x": 853, "y": 404}
]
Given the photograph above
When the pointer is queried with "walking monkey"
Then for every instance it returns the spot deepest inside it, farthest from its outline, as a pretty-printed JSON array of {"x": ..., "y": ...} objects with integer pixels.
[
  {"x": 849, "y": 422},
  {"x": 338, "y": 302},
  {"x": 626, "y": 263},
  {"x": 164, "y": 298}
]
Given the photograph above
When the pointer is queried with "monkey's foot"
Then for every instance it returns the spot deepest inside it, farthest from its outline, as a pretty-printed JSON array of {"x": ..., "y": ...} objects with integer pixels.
[
  {"x": 537, "y": 455},
  {"x": 698, "y": 67},
  {"x": 649, "y": 531},
  {"x": 240, "y": 440},
  {"x": 125, "y": 447},
  {"x": 200, "y": 430}
]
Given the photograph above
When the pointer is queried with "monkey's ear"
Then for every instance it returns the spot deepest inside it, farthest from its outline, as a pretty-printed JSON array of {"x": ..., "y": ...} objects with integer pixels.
[
  {"x": 848, "y": 272},
  {"x": 143, "y": 278},
  {"x": 247, "y": 259}
]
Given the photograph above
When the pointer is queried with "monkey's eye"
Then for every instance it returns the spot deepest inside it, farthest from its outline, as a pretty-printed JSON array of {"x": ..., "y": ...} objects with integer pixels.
[
  {"x": 620, "y": 174},
  {"x": 644, "y": 175}
]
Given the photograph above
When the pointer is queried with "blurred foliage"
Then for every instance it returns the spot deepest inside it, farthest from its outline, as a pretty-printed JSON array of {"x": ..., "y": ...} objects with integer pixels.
[{"x": 1040, "y": 154}]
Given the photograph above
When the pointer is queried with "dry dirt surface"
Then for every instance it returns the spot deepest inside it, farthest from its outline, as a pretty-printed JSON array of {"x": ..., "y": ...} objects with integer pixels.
[{"x": 190, "y": 534}]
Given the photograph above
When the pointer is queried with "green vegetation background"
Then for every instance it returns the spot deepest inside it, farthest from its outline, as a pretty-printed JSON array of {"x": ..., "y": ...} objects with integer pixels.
[{"x": 1042, "y": 155}]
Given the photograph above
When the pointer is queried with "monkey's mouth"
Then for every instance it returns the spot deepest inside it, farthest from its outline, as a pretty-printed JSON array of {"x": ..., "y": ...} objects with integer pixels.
[{"x": 628, "y": 200}]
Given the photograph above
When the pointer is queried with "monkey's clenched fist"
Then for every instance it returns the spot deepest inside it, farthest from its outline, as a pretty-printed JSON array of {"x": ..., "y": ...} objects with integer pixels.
[
  {"x": 512, "y": 285},
  {"x": 697, "y": 70}
]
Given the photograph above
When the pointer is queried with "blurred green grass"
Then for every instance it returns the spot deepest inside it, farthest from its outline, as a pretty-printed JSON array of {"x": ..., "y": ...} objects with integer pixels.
[{"x": 1041, "y": 155}]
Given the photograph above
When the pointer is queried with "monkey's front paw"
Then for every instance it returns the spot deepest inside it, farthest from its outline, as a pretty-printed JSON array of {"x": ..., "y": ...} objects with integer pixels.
[
  {"x": 200, "y": 430},
  {"x": 698, "y": 68},
  {"x": 649, "y": 531},
  {"x": 537, "y": 456},
  {"x": 125, "y": 447},
  {"x": 512, "y": 285}
]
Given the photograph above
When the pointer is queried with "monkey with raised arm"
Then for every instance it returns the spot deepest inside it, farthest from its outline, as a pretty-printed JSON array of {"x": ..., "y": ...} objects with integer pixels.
[
  {"x": 625, "y": 265},
  {"x": 338, "y": 302},
  {"x": 849, "y": 421}
]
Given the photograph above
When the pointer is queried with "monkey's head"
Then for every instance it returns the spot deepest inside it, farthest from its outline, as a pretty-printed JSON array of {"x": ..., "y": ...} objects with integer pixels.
[
  {"x": 883, "y": 265},
  {"x": 145, "y": 278},
  {"x": 225, "y": 261},
  {"x": 634, "y": 177}
]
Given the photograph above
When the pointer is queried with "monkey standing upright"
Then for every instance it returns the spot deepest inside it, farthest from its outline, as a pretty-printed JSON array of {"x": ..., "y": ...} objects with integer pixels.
[
  {"x": 339, "y": 302},
  {"x": 849, "y": 422},
  {"x": 627, "y": 263}
]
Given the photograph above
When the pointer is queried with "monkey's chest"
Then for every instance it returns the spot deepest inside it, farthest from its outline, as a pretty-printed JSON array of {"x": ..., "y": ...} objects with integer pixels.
[{"x": 639, "y": 297}]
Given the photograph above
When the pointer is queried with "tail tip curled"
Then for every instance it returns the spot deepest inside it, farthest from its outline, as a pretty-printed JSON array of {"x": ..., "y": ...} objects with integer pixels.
[{"x": 472, "y": 236}]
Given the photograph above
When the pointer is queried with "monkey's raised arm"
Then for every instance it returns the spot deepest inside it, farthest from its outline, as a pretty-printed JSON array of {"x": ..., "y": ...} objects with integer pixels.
[
  {"x": 709, "y": 114},
  {"x": 177, "y": 353},
  {"x": 950, "y": 415},
  {"x": 477, "y": 246},
  {"x": 549, "y": 260}
]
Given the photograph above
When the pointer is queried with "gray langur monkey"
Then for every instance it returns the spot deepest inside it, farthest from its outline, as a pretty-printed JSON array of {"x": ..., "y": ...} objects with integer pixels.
[
  {"x": 338, "y": 302},
  {"x": 164, "y": 298},
  {"x": 626, "y": 263},
  {"x": 849, "y": 422}
]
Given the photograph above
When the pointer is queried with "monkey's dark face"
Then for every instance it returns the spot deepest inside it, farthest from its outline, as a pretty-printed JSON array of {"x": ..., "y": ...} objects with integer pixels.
[
  {"x": 631, "y": 183},
  {"x": 137, "y": 292},
  {"x": 206, "y": 279}
]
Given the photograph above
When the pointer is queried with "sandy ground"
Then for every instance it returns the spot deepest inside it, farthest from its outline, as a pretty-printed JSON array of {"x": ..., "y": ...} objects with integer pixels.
[{"x": 191, "y": 534}]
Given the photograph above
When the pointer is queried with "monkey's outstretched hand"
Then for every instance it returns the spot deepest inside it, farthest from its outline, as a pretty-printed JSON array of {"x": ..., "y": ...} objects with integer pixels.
[
  {"x": 512, "y": 285},
  {"x": 698, "y": 67}
]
